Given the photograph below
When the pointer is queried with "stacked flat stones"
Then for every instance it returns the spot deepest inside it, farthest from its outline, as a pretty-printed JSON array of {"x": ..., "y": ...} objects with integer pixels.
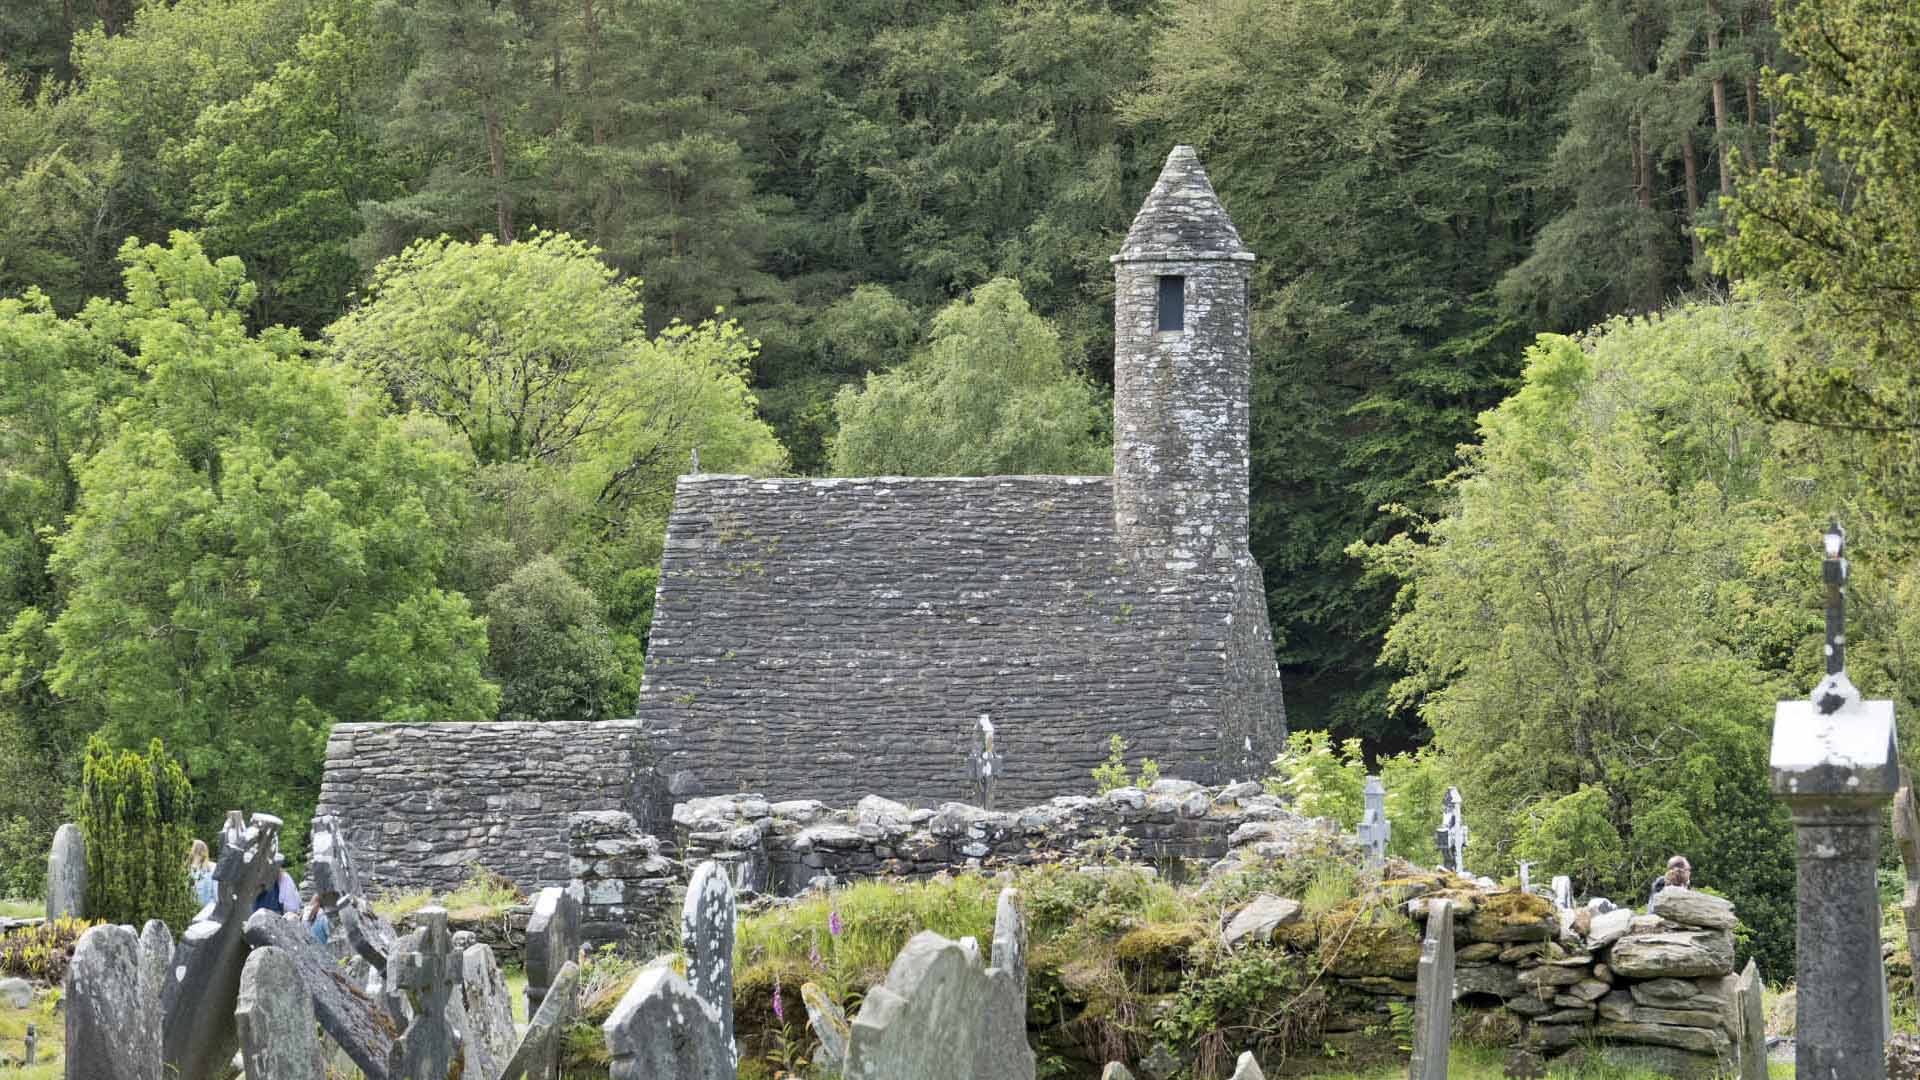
[
  {"x": 620, "y": 878},
  {"x": 781, "y": 847}
]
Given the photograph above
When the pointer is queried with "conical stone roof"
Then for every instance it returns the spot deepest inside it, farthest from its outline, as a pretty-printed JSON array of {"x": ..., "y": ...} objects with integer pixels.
[{"x": 1182, "y": 218}]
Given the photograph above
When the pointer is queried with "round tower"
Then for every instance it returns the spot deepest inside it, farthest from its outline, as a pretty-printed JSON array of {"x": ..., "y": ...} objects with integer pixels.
[{"x": 1181, "y": 375}]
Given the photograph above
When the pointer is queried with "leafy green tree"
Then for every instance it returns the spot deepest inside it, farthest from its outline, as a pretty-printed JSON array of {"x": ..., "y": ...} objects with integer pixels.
[
  {"x": 1376, "y": 159},
  {"x": 1574, "y": 626},
  {"x": 1830, "y": 219},
  {"x": 536, "y": 354},
  {"x": 1321, "y": 779},
  {"x": 549, "y": 648},
  {"x": 281, "y": 172},
  {"x": 254, "y": 553},
  {"x": 136, "y": 814},
  {"x": 990, "y": 394}
]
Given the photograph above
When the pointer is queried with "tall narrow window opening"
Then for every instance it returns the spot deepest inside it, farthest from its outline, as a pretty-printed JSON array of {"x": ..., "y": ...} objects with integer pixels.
[{"x": 1173, "y": 303}]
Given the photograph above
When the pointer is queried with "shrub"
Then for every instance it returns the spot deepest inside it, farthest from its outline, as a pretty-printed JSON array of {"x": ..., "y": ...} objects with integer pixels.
[
  {"x": 135, "y": 812},
  {"x": 41, "y": 952},
  {"x": 1114, "y": 774}
]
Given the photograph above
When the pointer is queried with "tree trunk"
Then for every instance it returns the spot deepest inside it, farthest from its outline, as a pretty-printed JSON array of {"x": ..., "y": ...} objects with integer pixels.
[
  {"x": 1719, "y": 98},
  {"x": 497, "y": 160},
  {"x": 589, "y": 65},
  {"x": 1643, "y": 198},
  {"x": 1693, "y": 201}
]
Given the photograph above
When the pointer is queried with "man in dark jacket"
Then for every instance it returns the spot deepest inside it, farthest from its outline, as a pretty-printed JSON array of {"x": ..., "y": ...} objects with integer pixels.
[{"x": 1679, "y": 873}]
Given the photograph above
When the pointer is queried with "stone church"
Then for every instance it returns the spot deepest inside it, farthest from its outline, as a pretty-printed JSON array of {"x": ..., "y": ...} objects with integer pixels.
[{"x": 830, "y": 639}]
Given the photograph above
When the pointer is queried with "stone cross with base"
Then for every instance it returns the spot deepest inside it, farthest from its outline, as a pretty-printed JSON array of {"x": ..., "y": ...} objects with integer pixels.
[
  {"x": 1375, "y": 830},
  {"x": 1451, "y": 836},
  {"x": 1835, "y": 761},
  {"x": 424, "y": 967}
]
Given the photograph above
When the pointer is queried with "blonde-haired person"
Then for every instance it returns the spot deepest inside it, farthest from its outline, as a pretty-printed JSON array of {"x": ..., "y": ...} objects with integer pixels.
[
  {"x": 1679, "y": 875},
  {"x": 200, "y": 873}
]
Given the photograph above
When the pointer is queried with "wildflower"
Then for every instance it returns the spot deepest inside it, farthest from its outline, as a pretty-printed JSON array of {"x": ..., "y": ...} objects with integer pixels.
[
  {"x": 834, "y": 925},
  {"x": 779, "y": 1006},
  {"x": 813, "y": 951}
]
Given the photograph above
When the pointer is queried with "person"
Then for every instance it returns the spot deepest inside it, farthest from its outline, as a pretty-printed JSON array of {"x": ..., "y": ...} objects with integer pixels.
[
  {"x": 1679, "y": 875},
  {"x": 200, "y": 873},
  {"x": 318, "y": 925},
  {"x": 282, "y": 896}
]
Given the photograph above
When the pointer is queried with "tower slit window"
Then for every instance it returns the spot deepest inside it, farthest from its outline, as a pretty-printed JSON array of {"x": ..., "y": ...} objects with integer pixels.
[{"x": 1173, "y": 302}]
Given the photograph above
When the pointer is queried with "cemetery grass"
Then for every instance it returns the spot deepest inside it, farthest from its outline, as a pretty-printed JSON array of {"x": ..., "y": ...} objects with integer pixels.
[
  {"x": 1468, "y": 1062},
  {"x": 482, "y": 895},
  {"x": 50, "y": 1063},
  {"x": 19, "y": 908}
]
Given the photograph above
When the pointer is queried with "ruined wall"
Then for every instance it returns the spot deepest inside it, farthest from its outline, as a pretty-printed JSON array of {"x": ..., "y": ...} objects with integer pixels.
[
  {"x": 422, "y": 803},
  {"x": 780, "y": 847}
]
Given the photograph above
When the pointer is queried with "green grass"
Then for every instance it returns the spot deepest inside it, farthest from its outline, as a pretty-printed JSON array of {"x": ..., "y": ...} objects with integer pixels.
[
  {"x": 484, "y": 893},
  {"x": 50, "y": 1063},
  {"x": 1480, "y": 1063},
  {"x": 17, "y": 908}
]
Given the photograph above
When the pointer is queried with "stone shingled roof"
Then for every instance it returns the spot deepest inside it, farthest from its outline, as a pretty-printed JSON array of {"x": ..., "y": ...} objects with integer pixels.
[
  {"x": 814, "y": 634},
  {"x": 1182, "y": 218}
]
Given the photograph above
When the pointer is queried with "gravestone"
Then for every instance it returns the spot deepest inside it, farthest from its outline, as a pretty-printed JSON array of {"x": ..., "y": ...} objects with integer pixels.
[
  {"x": 984, "y": 761},
  {"x": 67, "y": 874},
  {"x": 274, "y": 1017},
  {"x": 829, "y": 1024},
  {"x": 539, "y": 1049},
  {"x": 1247, "y": 1068},
  {"x": 370, "y": 935},
  {"x": 1433, "y": 1001},
  {"x": 490, "y": 1037},
  {"x": 1375, "y": 830},
  {"x": 1563, "y": 892},
  {"x": 330, "y": 863},
  {"x": 354, "y": 1022},
  {"x": 1115, "y": 1071},
  {"x": 663, "y": 1030},
  {"x": 1748, "y": 1005},
  {"x": 1835, "y": 762},
  {"x": 553, "y": 941},
  {"x": 1906, "y": 829},
  {"x": 423, "y": 966},
  {"x": 1451, "y": 836},
  {"x": 706, "y": 936},
  {"x": 199, "y": 1038},
  {"x": 942, "y": 1014},
  {"x": 156, "y": 964},
  {"x": 1526, "y": 881},
  {"x": 113, "y": 1015}
]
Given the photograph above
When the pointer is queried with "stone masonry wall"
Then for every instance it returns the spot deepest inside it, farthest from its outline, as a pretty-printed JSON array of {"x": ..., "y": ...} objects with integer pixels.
[
  {"x": 625, "y": 885},
  {"x": 422, "y": 803},
  {"x": 780, "y": 847}
]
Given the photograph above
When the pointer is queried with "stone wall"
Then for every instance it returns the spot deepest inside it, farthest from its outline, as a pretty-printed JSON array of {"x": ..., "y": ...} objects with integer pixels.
[
  {"x": 780, "y": 847},
  {"x": 625, "y": 886},
  {"x": 420, "y": 804}
]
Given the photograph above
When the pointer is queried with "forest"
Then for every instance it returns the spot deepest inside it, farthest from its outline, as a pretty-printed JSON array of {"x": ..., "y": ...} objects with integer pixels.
[{"x": 349, "y": 350}]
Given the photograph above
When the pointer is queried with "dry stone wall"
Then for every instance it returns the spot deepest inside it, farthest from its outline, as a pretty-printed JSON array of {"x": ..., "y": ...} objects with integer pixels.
[
  {"x": 780, "y": 847},
  {"x": 421, "y": 804}
]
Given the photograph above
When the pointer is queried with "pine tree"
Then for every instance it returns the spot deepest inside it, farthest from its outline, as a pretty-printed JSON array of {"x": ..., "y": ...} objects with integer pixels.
[{"x": 135, "y": 812}]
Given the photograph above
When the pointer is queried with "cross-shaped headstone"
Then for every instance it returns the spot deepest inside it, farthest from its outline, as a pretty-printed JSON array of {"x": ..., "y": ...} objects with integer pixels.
[
  {"x": 200, "y": 1040},
  {"x": 1375, "y": 830},
  {"x": 331, "y": 865},
  {"x": 425, "y": 968},
  {"x": 1451, "y": 836}
]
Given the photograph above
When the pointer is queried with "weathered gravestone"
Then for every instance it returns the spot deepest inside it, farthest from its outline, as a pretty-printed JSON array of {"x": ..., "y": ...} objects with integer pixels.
[
  {"x": 1906, "y": 828},
  {"x": 423, "y": 966},
  {"x": 1747, "y": 1003},
  {"x": 944, "y": 1015},
  {"x": 330, "y": 863},
  {"x": 1247, "y": 1068},
  {"x": 1562, "y": 892},
  {"x": 274, "y": 1017},
  {"x": 67, "y": 874},
  {"x": 1433, "y": 1000},
  {"x": 984, "y": 761},
  {"x": 200, "y": 1039},
  {"x": 706, "y": 936},
  {"x": 355, "y": 1024},
  {"x": 489, "y": 1032},
  {"x": 540, "y": 1046},
  {"x": 113, "y": 1006},
  {"x": 663, "y": 1030},
  {"x": 1451, "y": 836},
  {"x": 1375, "y": 830},
  {"x": 829, "y": 1023},
  {"x": 1835, "y": 762},
  {"x": 553, "y": 941}
]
